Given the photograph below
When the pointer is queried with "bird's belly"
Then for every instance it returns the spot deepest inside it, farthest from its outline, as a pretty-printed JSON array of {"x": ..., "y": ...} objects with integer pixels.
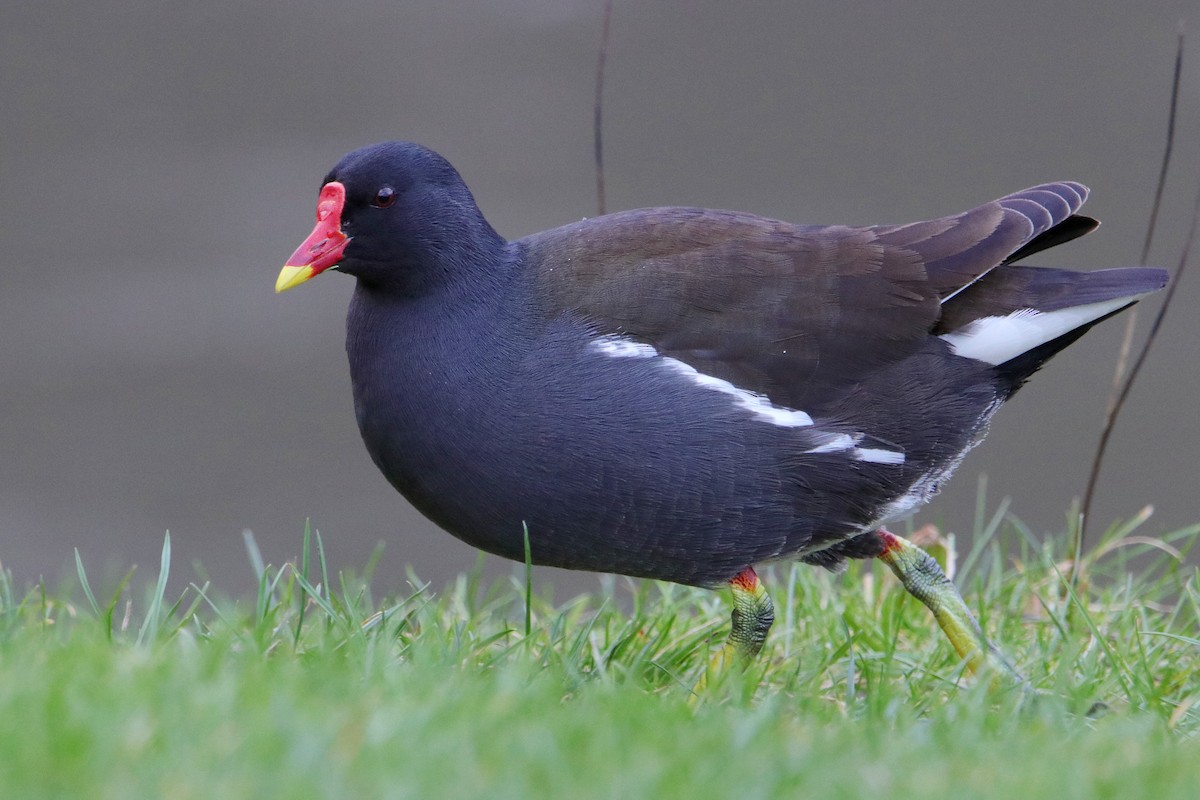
[{"x": 611, "y": 466}]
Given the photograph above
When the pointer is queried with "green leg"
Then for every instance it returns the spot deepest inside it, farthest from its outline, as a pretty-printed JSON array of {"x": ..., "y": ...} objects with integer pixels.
[
  {"x": 753, "y": 614},
  {"x": 924, "y": 579},
  {"x": 752, "y": 617}
]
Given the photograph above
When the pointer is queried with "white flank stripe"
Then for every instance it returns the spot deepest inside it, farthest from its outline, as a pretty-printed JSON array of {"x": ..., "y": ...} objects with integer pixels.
[
  {"x": 761, "y": 407},
  {"x": 876, "y": 456},
  {"x": 839, "y": 443},
  {"x": 995, "y": 340},
  {"x": 617, "y": 347},
  {"x": 844, "y": 442}
]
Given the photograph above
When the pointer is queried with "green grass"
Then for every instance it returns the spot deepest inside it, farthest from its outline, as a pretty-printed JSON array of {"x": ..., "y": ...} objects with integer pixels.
[{"x": 316, "y": 689}]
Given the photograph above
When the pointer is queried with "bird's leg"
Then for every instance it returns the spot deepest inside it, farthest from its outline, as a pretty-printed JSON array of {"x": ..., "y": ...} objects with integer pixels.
[
  {"x": 924, "y": 579},
  {"x": 753, "y": 614},
  {"x": 752, "y": 617}
]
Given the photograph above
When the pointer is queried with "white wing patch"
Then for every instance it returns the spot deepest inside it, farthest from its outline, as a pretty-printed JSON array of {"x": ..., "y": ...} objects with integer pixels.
[
  {"x": 995, "y": 340},
  {"x": 847, "y": 443},
  {"x": 876, "y": 455},
  {"x": 756, "y": 404},
  {"x": 618, "y": 347},
  {"x": 761, "y": 407},
  {"x": 838, "y": 443}
]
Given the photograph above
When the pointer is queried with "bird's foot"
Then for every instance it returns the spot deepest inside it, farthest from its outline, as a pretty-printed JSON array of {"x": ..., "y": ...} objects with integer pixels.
[
  {"x": 925, "y": 580},
  {"x": 752, "y": 617}
]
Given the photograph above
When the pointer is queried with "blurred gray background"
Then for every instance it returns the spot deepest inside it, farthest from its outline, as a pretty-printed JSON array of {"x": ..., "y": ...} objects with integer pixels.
[{"x": 161, "y": 160}]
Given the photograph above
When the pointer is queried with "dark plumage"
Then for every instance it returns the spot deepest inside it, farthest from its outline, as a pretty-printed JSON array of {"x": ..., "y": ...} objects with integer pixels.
[{"x": 682, "y": 393}]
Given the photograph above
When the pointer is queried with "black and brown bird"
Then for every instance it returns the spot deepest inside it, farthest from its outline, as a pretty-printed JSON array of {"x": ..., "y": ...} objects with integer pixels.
[{"x": 684, "y": 393}]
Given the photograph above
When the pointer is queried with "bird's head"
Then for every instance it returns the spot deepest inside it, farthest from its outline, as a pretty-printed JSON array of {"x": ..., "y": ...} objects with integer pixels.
[{"x": 394, "y": 215}]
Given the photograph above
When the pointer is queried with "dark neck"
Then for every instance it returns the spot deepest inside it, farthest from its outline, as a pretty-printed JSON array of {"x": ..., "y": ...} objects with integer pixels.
[
  {"x": 465, "y": 330},
  {"x": 429, "y": 373},
  {"x": 460, "y": 253}
]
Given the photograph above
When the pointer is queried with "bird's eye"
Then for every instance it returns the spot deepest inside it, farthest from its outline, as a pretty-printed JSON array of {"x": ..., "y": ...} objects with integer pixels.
[{"x": 384, "y": 197}]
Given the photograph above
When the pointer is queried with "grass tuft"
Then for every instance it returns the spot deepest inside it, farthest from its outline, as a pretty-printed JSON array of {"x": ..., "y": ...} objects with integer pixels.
[{"x": 314, "y": 689}]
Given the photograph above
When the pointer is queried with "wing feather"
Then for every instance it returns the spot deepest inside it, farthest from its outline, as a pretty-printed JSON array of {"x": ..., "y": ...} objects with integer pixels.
[{"x": 793, "y": 312}]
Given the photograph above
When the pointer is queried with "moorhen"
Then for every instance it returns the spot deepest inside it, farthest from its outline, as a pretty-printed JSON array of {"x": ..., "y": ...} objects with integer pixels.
[{"x": 684, "y": 393}]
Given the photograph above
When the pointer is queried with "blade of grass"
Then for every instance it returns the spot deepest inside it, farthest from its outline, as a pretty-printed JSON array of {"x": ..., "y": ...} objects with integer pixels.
[
  {"x": 87, "y": 588},
  {"x": 149, "y": 630},
  {"x": 256, "y": 559},
  {"x": 303, "y": 575},
  {"x": 1175, "y": 636},
  {"x": 983, "y": 537},
  {"x": 111, "y": 610},
  {"x": 528, "y": 582}
]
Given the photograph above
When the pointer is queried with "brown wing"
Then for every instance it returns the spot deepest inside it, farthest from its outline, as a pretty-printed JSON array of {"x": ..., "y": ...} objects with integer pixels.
[{"x": 796, "y": 313}]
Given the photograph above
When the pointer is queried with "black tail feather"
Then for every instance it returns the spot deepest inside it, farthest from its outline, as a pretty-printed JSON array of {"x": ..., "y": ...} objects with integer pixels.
[
  {"x": 1070, "y": 228},
  {"x": 1011, "y": 288}
]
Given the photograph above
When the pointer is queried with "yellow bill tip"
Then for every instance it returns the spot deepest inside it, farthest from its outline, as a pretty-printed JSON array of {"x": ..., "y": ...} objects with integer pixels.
[{"x": 292, "y": 276}]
